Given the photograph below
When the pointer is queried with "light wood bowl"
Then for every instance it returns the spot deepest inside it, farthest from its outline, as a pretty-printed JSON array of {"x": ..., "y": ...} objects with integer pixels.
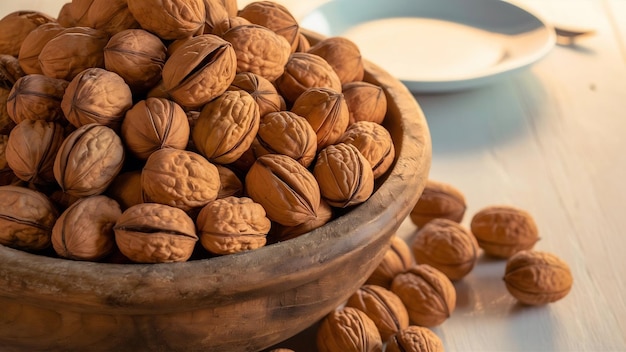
[{"x": 241, "y": 302}]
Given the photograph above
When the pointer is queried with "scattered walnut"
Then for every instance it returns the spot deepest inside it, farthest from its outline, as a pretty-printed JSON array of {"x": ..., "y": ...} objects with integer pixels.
[
  {"x": 415, "y": 339},
  {"x": 348, "y": 329},
  {"x": 438, "y": 200},
  {"x": 502, "y": 231},
  {"x": 397, "y": 259}
]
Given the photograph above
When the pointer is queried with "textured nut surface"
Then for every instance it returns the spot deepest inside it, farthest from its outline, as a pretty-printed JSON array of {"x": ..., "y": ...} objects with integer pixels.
[
  {"x": 374, "y": 142},
  {"x": 438, "y": 200},
  {"x": 230, "y": 184},
  {"x": 110, "y": 16},
  {"x": 173, "y": 19},
  {"x": 6, "y": 123},
  {"x": 343, "y": 56},
  {"x": 262, "y": 90},
  {"x": 382, "y": 306},
  {"x": 397, "y": 259},
  {"x": 36, "y": 97},
  {"x": 366, "y": 101},
  {"x": 304, "y": 71},
  {"x": 275, "y": 17},
  {"x": 447, "y": 246},
  {"x": 33, "y": 43},
  {"x": 15, "y": 26},
  {"x": 536, "y": 278},
  {"x": 10, "y": 71},
  {"x": 215, "y": 13},
  {"x": 226, "y": 24},
  {"x": 501, "y": 231},
  {"x": 415, "y": 339},
  {"x": 282, "y": 233},
  {"x": 348, "y": 329},
  {"x": 126, "y": 189},
  {"x": 428, "y": 294}
]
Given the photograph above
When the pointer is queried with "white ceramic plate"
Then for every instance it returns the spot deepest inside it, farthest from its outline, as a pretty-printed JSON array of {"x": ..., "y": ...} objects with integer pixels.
[{"x": 438, "y": 45}]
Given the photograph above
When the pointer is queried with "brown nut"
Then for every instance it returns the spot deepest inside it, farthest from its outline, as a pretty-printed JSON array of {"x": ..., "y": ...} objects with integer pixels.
[
  {"x": 226, "y": 24},
  {"x": 65, "y": 17},
  {"x": 415, "y": 339},
  {"x": 286, "y": 189},
  {"x": 348, "y": 329},
  {"x": 231, "y": 7},
  {"x": 382, "y": 306},
  {"x": 10, "y": 71},
  {"x": 36, "y": 97},
  {"x": 280, "y": 232},
  {"x": 397, "y": 259},
  {"x": 438, "y": 200},
  {"x": 304, "y": 71},
  {"x": 427, "y": 293},
  {"x": 230, "y": 184},
  {"x": 34, "y": 43},
  {"x": 303, "y": 44},
  {"x": 179, "y": 178},
  {"x": 215, "y": 14},
  {"x": 6, "y": 122},
  {"x": 7, "y": 177},
  {"x": 126, "y": 189},
  {"x": 366, "y": 101},
  {"x": 288, "y": 134},
  {"x": 155, "y": 233},
  {"x": 275, "y": 17},
  {"x": 26, "y": 218},
  {"x": 226, "y": 127},
  {"x": 447, "y": 246},
  {"x": 200, "y": 70},
  {"x": 15, "y": 26},
  {"x": 138, "y": 56},
  {"x": 173, "y": 19},
  {"x": 374, "y": 142},
  {"x": 84, "y": 231},
  {"x": 153, "y": 124},
  {"x": 259, "y": 50},
  {"x": 73, "y": 51},
  {"x": 501, "y": 231},
  {"x": 97, "y": 96},
  {"x": 88, "y": 160},
  {"x": 232, "y": 225},
  {"x": 343, "y": 56},
  {"x": 344, "y": 175},
  {"x": 32, "y": 148},
  {"x": 111, "y": 16},
  {"x": 262, "y": 90},
  {"x": 537, "y": 278}
]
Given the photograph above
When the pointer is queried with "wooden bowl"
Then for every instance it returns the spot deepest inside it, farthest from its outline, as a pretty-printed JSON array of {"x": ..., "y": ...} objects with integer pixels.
[{"x": 241, "y": 302}]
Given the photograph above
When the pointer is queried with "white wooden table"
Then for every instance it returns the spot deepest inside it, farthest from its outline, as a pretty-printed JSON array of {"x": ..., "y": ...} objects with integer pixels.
[{"x": 549, "y": 140}]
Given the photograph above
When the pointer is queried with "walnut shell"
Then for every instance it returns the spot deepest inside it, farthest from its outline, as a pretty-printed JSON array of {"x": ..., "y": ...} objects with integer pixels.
[
  {"x": 155, "y": 233},
  {"x": 126, "y": 189},
  {"x": 230, "y": 184},
  {"x": 200, "y": 70},
  {"x": 282, "y": 233},
  {"x": 232, "y": 225},
  {"x": 10, "y": 71},
  {"x": 447, "y": 246},
  {"x": 304, "y": 71},
  {"x": 288, "y": 134},
  {"x": 111, "y": 16},
  {"x": 262, "y": 90},
  {"x": 97, "y": 96},
  {"x": 172, "y": 19},
  {"x": 275, "y": 17},
  {"x": 26, "y": 218},
  {"x": 36, "y": 97},
  {"x": 15, "y": 26},
  {"x": 65, "y": 17},
  {"x": 427, "y": 293},
  {"x": 374, "y": 142},
  {"x": 501, "y": 231},
  {"x": 153, "y": 124},
  {"x": 84, "y": 231},
  {"x": 366, "y": 101},
  {"x": 259, "y": 50},
  {"x": 415, "y": 339},
  {"x": 32, "y": 148},
  {"x": 231, "y": 7},
  {"x": 215, "y": 14},
  {"x": 344, "y": 175},
  {"x": 226, "y": 24},
  {"x": 303, "y": 44},
  {"x": 286, "y": 189},
  {"x": 537, "y": 278},
  {"x": 138, "y": 56},
  {"x": 179, "y": 178},
  {"x": 343, "y": 56},
  {"x": 88, "y": 160},
  {"x": 226, "y": 127},
  {"x": 382, "y": 306},
  {"x": 348, "y": 329},
  {"x": 397, "y": 259},
  {"x": 72, "y": 51},
  {"x": 438, "y": 200},
  {"x": 6, "y": 122},
  {"x": 33, "y": 44},
  {"x": 7, "y": 177}
]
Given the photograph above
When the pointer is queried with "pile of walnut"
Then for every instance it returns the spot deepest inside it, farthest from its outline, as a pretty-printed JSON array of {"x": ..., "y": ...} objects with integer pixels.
[
  {"x": 134, "y": 132},
  {"x": 412, "y": 289}
]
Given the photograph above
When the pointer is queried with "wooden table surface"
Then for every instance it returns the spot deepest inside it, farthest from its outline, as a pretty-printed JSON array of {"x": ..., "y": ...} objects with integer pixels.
[{"x": 549, "y": 140}]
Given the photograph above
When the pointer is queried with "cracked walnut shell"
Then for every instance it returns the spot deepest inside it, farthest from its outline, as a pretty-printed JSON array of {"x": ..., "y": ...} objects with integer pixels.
[
  {"x": 382, "y": 306},
  {"x": 348, "y": 329},
  {"x": 415, "y": 339},
  {"x": 502, "y": 231}
]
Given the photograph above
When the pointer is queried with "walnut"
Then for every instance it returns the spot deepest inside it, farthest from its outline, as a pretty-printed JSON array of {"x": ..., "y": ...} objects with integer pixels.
[
  {"x": 126, "y": 189},
  {"x": 303, "y": 44},
  {"x": 231, "y": 7},
  {"x": 88, "y": 160},
  {"x": 275, "y": 17},
  {"x": 32, "y": 148},
  {"x": 7, "y": 177},
  {"x": 344, "y": 175},
  {"x": 6, "y": 122},
  {"x": 65, "y": 17},
  {"x": 153, "y": 124},
  {"x": 343, "y": 56},
  {"x": 226, "y": 127},
  {"x": 138, "y": 56},
  {"x": 33, "y": 44},
  {"x": 446, "y": 245},
  {"x": 366, "y": 101},
  {"x": 382, "y": 306},
  {"x": 374, "y": 142},
  {"x": 288, "y": 134},
  {"x": 286, "y": 189},
  {"x": 200, "y": 70},
  {"x": 179, "y": 178},
  {"x": 427, "y": 293},
  {"x": 10, "y": 71},
  {"x": 262, "y": 90},
  {"x": 111, "y": 16},
  {"x": 36, "y": 97},
  {"x": 26, "y": 218},
  {"x": 155, "y": 233},
  {"x": 304, "y": 71},
  {"x": 282, "y": 233},
  {"x": 97, "y": 96},
  {"x": 502, "y": 231},
  {"x": 84, "y": 231},
  {"x": 226, "y": 24},
  {"x": 348, "y": 329},
  {"x": 397, "y": 259},
  {"x": 72, "y": 51},
  {"x": 215, "y": 14},
  {"x": 259, "y": 50},
  {"x": 15, "y": 26},
  {"x": 173, "y": 19},
  {"x": 230, "y": 184},
  {"x": 537, "y": 278},
  {"x": 232, "y": 225},
  {"x": 415, "y": 339},
  {"x": 438, "y": 200}
]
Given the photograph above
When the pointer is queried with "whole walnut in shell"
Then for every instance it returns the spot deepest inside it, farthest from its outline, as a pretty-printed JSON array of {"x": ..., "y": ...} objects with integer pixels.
[
  {"x": 304, "y": 71},
  {"x": 348, "y": 329},
  {"x": 36, "y": 97},
  {"x": 34, "y": 43},
  {"x": 231, "y": 7},
  {"x": 415, "y": 339},
  {"x": 15, "y": 26},
  {"x": 126, "y": 189},
  {"x": 282, "y": 233},
  {"x": 382, "y": 306},
  {"x": 226, "y": 24},
  {"x": 84, "y": 231},
  {"x": 374, "y": 142},
  {"x": 111, "y": 16},
  {"x": 10, "y": 71},
  {"x": 215, "y": 14},
  {"x": 366, "y": 101},
  {"x": 343, "y": 56},
  {"x": 172, "y": 19},
  {"x": 275, "y": 17},
  {"x": 262, "y": 90},
  {"x": 155, "y": 233},
  {"x": 398, "y": 258},
  {"x": 230, "y": 184},
  {"x": 438, "y": 200}
]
